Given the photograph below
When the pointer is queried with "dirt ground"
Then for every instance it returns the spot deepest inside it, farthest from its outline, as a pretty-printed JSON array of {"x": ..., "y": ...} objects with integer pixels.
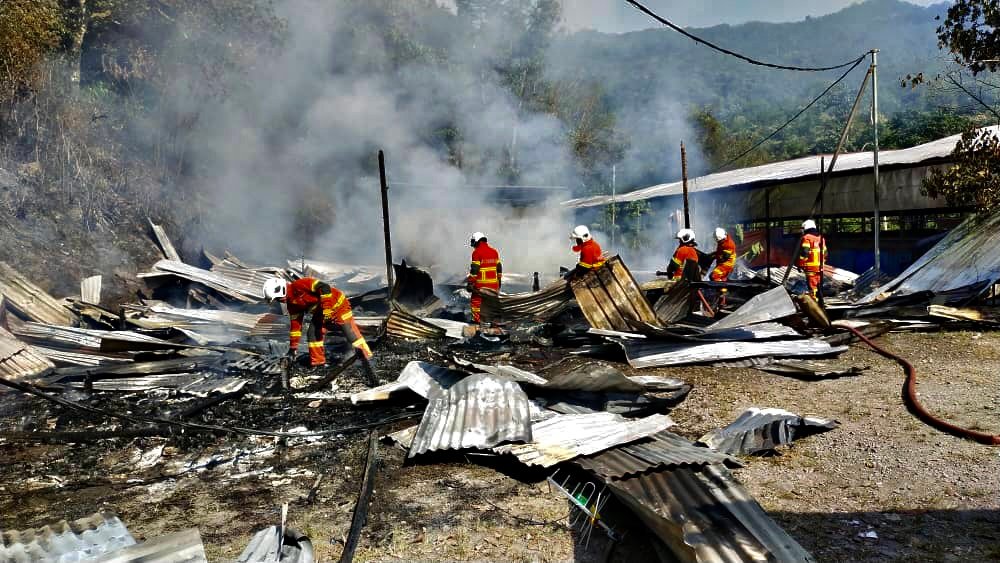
[{"x": 926, "y": 496}]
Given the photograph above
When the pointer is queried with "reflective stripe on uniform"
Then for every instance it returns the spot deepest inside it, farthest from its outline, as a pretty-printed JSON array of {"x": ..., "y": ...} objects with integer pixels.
[
  {"x": 347, "y": 316},
  {"x": 317, "y": 344},
  {"x": 296, "y": 333}
]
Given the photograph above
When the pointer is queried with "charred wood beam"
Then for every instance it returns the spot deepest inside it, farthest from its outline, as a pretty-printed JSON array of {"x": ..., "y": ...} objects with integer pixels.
[{"x": 364, "y": 500}]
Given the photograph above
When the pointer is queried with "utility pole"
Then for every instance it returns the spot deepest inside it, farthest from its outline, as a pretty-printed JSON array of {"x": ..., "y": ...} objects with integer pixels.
[
  {"x": 878, "y": 221},
  {"x": 385, "y": 223},
  {"x": 684, "y": 176}
]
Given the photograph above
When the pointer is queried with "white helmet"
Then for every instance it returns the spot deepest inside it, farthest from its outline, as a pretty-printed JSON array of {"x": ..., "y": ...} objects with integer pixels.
[
  {"x": 275, "y": 288},
  {"x": 808, "y": 224},
  {"x": 685, "y": 235},
  {"x": 476, "y": 237},
  {"x": 580, "y": 232},
  {"x": 720, "y": 234}
]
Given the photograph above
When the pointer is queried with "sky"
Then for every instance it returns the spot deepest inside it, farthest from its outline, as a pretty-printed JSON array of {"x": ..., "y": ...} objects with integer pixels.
[{"x": 617, "y": 16}]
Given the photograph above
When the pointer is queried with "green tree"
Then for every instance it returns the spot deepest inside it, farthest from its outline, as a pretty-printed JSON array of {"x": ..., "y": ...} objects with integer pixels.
[
  {"x": 974, "y": 177},
  {"x": 971, "y": 32}
]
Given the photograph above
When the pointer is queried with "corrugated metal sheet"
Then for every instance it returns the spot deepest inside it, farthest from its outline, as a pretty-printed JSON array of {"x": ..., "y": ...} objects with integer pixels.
[
  {"x": 410, "y": 327},
  {"x": 342, "y": 274},
  {"x": 574, "y": 375},
  {"x": 72, "y": 358},
  {"x": 661, "y": 450},
  {"x": 424, "y": 378},
  {"x": 173, "y": 365},
  {"x": 965, "y": 258},
  {"x": 675, "y": 303},
  {"x": 567, "y": 436},
  {"x": 128, "y": 384},
  {"x": 797, "y": 170},
  {"x": 90, "y": 290},
  {"x": 703, "y": 514},
  {"x": 76, "y": 338},
  {"x": 19, "y": 361},
  {"x": 647, "y": 354},
  {"x": 234, "y": 289},
  {"x": 453, "y": 329},
  {"x": 481, "y": 411},
  {"x": 31, "y": 301},
  {"x": 611, "y": 299},
  {"x": 658, "y": 382},
  {"x": 768, "y": 306},
  {"x": 758, "y": 430},
  {"x": 538, "y": 305},
  {"x": 83, "y": 539},
  {"x": 214, "y": 325},
  {"x": 169, "y": 252},
  {"x": 810, "y": 369},
  {"x": 835, "y": 279},
  {"x": 178, "y": 547}
]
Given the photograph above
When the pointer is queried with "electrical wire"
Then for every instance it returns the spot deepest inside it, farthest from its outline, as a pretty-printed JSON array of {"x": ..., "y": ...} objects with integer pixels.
[
  {"x": 32, "y": 390},
  {"x": 725, "y": 51},
  {"x": 793, "y": 118}
]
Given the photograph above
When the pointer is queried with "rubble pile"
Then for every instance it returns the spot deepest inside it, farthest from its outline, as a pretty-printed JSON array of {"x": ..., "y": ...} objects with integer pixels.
[{"x": 541, "y": 385}]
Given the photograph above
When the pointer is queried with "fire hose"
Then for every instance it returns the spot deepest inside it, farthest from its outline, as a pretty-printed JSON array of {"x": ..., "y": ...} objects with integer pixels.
[{"x": 910, "y": 398}]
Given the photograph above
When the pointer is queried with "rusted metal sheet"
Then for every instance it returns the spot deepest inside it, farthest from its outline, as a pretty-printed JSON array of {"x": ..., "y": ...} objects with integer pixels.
[
  {"x": 90, "y": 290},
  {"x": 768, "y": 306},
  {"x": 611, "y": 299},
  {"x": 538, "y": 305},
  {"x": 647, "y": 354},
  {"x": 480, "y": 411},
  {"x": 965, "y": 258},
  {"x": 18, "y": 361},
  {"x": 169, "y": 252},
  {"x": 403, "y": 325},
  {"x": 704, "y": 515},
  {"x": 567, "y": 436},
  {"x": 759, "y": 430},
  {"x": 30, "y": 301}
]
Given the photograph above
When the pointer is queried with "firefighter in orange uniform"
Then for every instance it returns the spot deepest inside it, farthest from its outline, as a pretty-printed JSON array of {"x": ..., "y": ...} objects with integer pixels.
[
  {"x": 725, "y": 260},
  {"x": 591, "y": 255},
  {"x": 812, "y": 256},
  {"x": 686, "y": 252},
  {"x": 484, "y": 273},
  {"x": 328, "y": 306}
]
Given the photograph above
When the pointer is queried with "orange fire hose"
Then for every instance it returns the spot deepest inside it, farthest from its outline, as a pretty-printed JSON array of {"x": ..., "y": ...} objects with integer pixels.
[{"x": 910, "y": 398}]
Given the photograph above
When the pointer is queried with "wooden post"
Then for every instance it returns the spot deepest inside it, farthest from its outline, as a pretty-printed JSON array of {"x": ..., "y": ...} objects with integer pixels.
[
  {"x": 767, "y": 230},
  {"x": 385, "y": 223},
  {"x": 684, "y": 175}
]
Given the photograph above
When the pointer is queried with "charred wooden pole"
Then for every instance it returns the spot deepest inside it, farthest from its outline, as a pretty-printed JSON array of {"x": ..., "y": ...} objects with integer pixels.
[
  {"x": 767, "y": 231},
  {"x": 684, "y": 176},
  {"x": 819, "y": 228},
  {"x": 364, "y": 499},
  {"x": 385, "y": 223}
]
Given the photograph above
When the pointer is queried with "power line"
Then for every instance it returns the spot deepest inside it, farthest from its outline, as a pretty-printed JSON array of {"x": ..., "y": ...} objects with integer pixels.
[
  {"x": 723, "y": 50},
  {"x": 794, "y": 117}
]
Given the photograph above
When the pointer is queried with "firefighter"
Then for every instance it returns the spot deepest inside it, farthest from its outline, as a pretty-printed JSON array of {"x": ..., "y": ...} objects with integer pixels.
[
  {"x": 812, "y": 256},
  {"x": 725, "y": 260},
  {"x": 686, "y": 252},
  {"x": 328, "y": 306},
  {"x": 484, "y": 273},
  {"x": 591, "y": 256}
]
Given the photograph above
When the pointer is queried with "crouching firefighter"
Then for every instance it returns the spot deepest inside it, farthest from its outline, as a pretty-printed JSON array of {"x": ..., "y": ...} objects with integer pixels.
[
  {"x": 591, "y": 255},
  {"x": 725, "y": 261},
  {"x": 485, "y": 272},
  {"x": 328, "y": 306}
]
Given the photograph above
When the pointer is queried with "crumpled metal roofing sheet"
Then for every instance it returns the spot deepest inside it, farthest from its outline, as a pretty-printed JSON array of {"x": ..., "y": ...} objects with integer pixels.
[
  {"x": 564, "y": 437},
  {"x": 275, "y": 545},
  {"x": 646, "y": 354},
  {"x": 234, "y": 289},
  {"x": 102, "y": 340},
  {"x": 178, "y": 547},
  {"x": 401, "y": 324},
  {"x": 542, "y": 304},
  {"x": 663, "y": 449},
  {"x": 658, "y": 382},
  {"x": 85, "y": 539},
  {"x": 611, "y": 299},
  {"x": 572, "y": 375},
  {"x": 423, "y": 378},
  {"x": 69, "y": 357},
  {"x": 768, "y": 306},
  {"x": 783, "y": 172},
  {"x": 758, "y": 430},
  {"x": 20, "y": 361},
  {"x": 480, "y": 411},
  {"x": 810, "y": 369},
  {"x": 675, "y": 303},
  {"x": 90, "y": 290},
  {"x": 31, "y": 301},
  {"x": 704, "y": 515},
  {"x": 966, "y": 257}
]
